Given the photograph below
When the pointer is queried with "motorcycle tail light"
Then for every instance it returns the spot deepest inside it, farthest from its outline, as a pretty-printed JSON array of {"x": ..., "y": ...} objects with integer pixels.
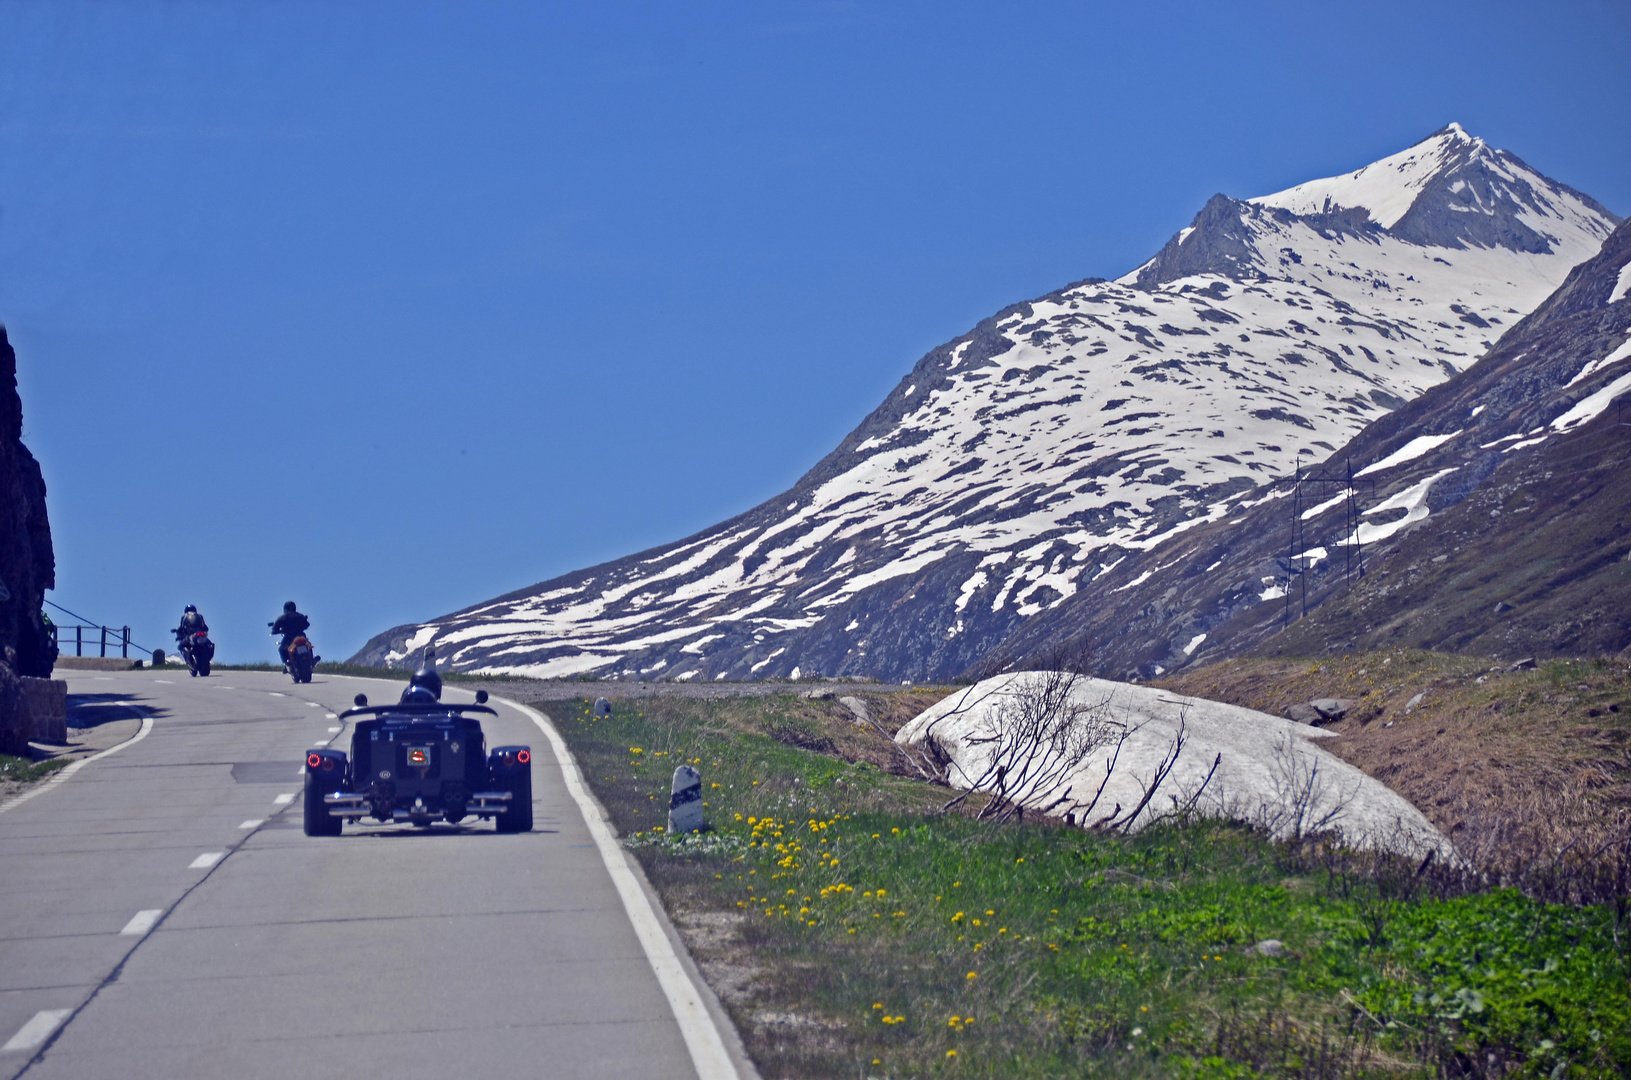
[
  {"x": 524, "y": 756},
  {"x": 314, "y": 760}
]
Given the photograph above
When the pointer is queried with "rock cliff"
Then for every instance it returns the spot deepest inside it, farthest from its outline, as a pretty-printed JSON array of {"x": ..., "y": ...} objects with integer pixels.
[{"x": 27, "y": 565}]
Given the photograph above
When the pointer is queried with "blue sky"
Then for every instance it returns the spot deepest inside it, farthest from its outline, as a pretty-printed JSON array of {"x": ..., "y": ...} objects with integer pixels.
[{"x": 391, "y": 308}]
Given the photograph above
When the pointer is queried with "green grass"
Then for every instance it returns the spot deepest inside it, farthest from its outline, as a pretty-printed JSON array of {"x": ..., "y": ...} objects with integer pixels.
[
  {"x": 18, "y": 770},
  {"x": 394, "y": 674},
  {"x": 854, "y": 932}
]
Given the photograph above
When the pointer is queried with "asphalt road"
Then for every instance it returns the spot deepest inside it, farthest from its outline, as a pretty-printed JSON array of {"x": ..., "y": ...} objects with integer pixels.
[{"x": 163, "y": 915}]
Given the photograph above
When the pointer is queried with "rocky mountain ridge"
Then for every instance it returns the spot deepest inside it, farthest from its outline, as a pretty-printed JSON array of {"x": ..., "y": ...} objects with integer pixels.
[
  {"x": 1494, "y": 517},
  {"x": 1022, "y": 468}
]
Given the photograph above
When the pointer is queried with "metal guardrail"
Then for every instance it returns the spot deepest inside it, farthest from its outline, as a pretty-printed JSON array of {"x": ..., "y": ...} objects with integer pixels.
[
  {"x": 88, "y": 634},
  {"x": 120, "y": 634}
]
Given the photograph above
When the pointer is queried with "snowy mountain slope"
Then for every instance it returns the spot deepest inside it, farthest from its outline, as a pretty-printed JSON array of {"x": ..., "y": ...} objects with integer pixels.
[
  {"x": 1017, "y": 466},
  {"x": 1495, "y": 519}
]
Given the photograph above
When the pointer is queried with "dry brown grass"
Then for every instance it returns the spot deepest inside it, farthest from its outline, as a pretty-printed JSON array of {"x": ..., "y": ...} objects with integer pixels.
[{"x": 1500, "y": 760}]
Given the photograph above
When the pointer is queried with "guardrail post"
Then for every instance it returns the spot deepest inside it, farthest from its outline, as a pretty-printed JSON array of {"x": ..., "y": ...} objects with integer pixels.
[
  {"x": 104, "y": 641},
  {"x": 124, "y": 648},
  {"x": 79, "y": 640}
]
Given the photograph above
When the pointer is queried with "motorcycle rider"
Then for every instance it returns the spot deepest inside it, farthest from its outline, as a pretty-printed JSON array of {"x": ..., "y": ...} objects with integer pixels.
[
  {"x": 291, "y": 624},
  {"x": 425, "y": 688},
  {"x": 191, "y": 623}
]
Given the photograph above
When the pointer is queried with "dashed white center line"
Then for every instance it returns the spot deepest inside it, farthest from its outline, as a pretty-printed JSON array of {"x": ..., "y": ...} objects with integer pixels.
[
  {"x": 274, "y": 693},
  {"x": 141, "y": 922},
  {"x": 284, "y": 800},
  {"x": 37, "y": 1030},
  {"x": 206, "y": 860},
  {"x": 253, "y": 823},
  {"x": 331, "y": 716},
  {"x": 166, "y": 682},
  {"x": 314, "y": 704},
  {"x": 332, "y": 730}
]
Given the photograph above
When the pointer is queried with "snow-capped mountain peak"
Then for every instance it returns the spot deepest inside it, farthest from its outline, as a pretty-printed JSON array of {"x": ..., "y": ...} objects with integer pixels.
[
  {"x": 1022, "y": 463},
  {"x": 1452, "y": 189},
  {"x": 1388, "y": 188}
]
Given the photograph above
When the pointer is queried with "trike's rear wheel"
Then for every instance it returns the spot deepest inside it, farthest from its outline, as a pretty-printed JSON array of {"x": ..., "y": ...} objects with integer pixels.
[{"x": 318, "y": 821}]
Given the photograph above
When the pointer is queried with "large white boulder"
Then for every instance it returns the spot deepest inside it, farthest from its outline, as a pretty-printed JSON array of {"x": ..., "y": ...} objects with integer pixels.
[{"x": 1102, "y": 744}]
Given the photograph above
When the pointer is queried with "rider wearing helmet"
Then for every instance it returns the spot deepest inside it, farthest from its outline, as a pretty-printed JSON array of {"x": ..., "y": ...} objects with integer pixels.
[
  {"x": 191, "y": 623},
  {"x": 291, "y": 624},
  {"x": 425, "y": 688}
]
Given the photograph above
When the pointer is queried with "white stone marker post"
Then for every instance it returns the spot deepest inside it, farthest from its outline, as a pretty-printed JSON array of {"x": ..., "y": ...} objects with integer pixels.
[{"x": 685, "y": 804}]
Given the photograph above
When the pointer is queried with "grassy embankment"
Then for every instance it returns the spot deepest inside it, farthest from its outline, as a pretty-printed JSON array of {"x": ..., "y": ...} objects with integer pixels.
[
  {"x": 1509, "y": 764},
  {"x": 18, "y": 770},
  {"x": 17, "y": 773},
  {"x": 854, "y": 931}
]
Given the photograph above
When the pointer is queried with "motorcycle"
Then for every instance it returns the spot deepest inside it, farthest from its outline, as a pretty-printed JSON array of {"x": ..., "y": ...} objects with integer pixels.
[
  {"x": 301, "y": 659},
  {"x": 198, "y": 650}
]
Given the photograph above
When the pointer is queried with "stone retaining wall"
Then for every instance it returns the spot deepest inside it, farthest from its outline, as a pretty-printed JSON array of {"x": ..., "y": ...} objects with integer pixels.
[
  {"x": 96, "y": 663},
  {"x": 47, "y": 701}
]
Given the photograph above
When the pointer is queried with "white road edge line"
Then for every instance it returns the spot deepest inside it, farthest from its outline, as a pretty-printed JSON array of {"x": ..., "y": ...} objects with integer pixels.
[
  {"x": 253, "y": 823},
  {"x": 70, "y": 769},
  {"x": 206, "y": 860},
  {"x": 141, "y": 922},
  {"x": 37, "y": 1030},
  {"x": 708, "y": 1053}
]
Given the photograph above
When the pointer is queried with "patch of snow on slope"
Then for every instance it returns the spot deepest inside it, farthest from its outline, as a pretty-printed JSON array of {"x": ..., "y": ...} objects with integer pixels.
[
  {"x": 1621, "y": 353},
  {"x": 417, "y": 641},
  {"x": 1622, "y": 285},
  {"x": 1413, "y": 500},
  {"x": 1410, "y": 451},
  {"x": 1588, "y": 409},
  {"x": 972, "y": 585},
  {"x": 1335, "y": 500}
]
